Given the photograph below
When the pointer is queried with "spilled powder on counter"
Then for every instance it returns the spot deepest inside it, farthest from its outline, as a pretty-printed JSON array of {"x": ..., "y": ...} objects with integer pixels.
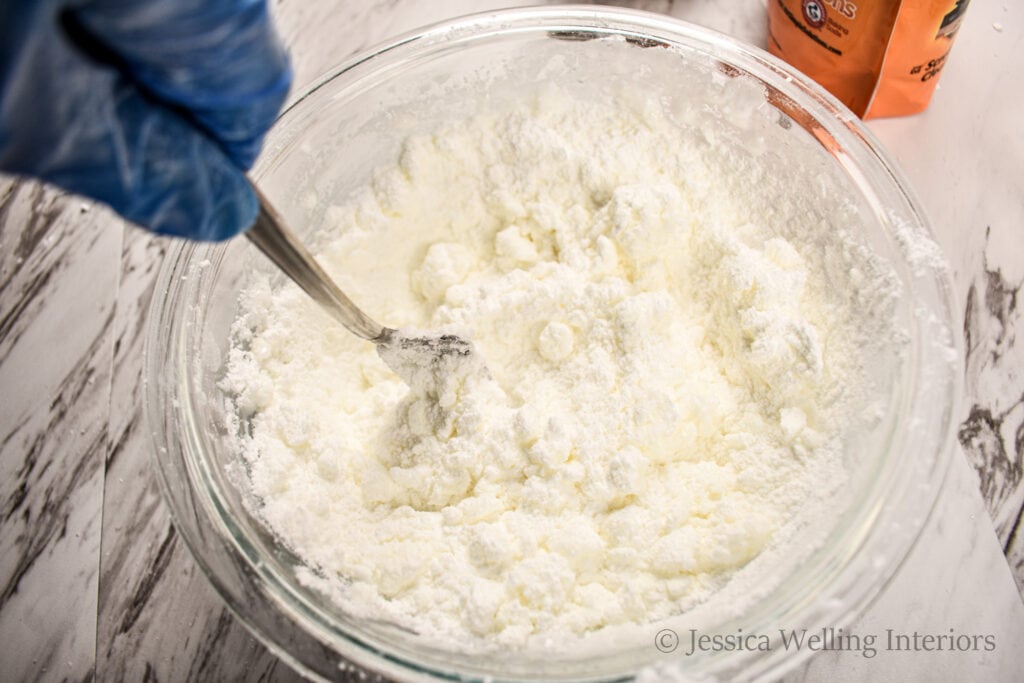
[{"x": 671, "y": 355}]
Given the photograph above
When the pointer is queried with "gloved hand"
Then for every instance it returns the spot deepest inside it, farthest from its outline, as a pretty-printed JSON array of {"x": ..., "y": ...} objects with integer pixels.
[{"x": 155, "y": 107}]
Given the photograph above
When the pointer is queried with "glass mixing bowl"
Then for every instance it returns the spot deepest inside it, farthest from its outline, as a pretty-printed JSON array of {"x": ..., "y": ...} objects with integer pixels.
[{"x": 328, "y": 143}]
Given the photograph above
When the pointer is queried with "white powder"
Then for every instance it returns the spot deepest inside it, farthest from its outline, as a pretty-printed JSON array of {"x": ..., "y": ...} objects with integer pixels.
[{"x": 672, "y": 358}]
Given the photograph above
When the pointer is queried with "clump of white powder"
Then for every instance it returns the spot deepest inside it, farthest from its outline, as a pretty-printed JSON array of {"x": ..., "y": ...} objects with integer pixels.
[{"x": 671, "y": 361}]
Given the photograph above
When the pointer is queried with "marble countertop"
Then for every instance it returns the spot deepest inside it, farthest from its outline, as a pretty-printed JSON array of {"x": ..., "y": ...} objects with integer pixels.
[{"x": 96, "y": 584}]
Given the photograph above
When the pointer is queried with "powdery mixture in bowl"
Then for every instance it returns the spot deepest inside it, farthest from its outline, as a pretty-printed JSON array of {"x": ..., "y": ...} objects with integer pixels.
[{"x": 672, "y": 360}]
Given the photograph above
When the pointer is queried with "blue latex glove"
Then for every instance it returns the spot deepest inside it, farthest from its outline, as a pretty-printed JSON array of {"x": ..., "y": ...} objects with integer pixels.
[{"x": 155, "y": 107}]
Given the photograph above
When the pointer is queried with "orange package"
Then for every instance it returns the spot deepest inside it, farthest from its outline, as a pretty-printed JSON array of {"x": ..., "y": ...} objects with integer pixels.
[{"x": 879, "y": 57}]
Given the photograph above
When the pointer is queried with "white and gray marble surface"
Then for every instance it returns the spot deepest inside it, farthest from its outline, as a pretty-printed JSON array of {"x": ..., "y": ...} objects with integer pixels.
[{"x": 96, "y": 584}]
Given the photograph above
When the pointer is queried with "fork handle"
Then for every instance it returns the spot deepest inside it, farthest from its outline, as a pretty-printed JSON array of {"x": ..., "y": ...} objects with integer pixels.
[{"x": 281, "y": 246}]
